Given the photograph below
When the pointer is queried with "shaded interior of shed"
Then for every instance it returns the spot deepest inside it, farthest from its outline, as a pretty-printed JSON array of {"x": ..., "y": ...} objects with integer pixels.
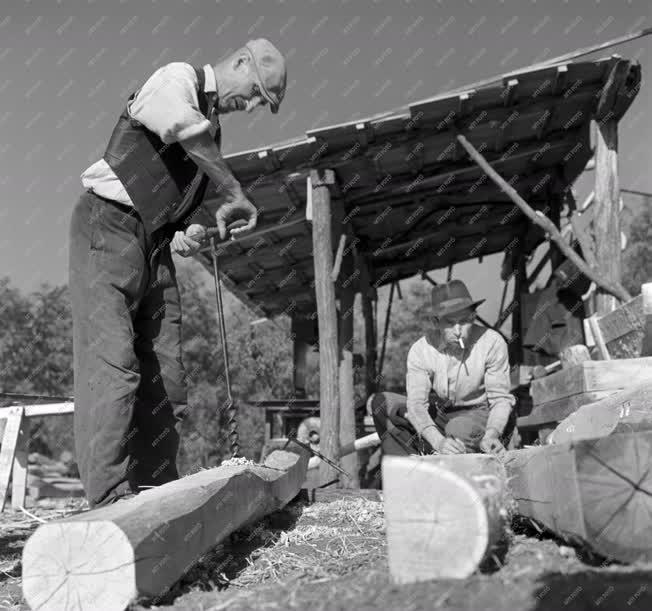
[{"x": 409, "y": 197}]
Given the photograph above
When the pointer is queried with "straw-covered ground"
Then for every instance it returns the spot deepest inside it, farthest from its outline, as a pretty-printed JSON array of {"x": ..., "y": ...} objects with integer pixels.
[{"x": 333, "y": 556}]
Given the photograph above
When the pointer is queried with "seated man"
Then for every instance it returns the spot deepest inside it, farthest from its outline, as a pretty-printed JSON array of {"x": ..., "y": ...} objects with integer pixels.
[{"x": 458, "y": 386}]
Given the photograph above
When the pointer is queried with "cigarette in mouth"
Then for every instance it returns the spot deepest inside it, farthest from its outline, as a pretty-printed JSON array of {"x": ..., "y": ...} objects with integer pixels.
[{"x": 461, "y": 342}]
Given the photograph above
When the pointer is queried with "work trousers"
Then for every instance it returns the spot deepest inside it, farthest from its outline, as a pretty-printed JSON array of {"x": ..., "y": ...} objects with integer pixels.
[
  {"x": 130, "y": 390},
  {"x": 399, "y": 437}
]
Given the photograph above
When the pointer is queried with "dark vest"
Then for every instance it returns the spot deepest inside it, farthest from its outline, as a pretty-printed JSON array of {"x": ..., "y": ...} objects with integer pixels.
[{"x": 156, "y": 176}]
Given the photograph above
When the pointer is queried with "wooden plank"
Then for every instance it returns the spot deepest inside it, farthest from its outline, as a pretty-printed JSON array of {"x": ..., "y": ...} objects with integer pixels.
[
  {"x": 142, "y": 546},
  {"x": 595, "y": 491},
  {"x": 19, "y": 469},
  {"x": 45, "y": 409},
  {"x": 451, "y": 532},
  {"x": 8, "y": 450},
  {"x": 598, "y": 338},
  {"x": 329, "y": 392},
  {"x": 591, "y": 376},
  {"x": 627, "y": 410},
  {"x": 556, "y": 411},
  {"x": 626, "y": 318}
]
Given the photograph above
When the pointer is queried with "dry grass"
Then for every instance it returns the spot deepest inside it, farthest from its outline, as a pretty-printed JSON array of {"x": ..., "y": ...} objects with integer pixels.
[{"x": 295, "y": 548}]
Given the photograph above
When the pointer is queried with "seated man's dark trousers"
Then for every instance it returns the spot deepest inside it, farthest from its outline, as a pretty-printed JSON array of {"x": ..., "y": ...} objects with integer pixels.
[
  {"x": 398, "y": 436},
  {"x": 129, "y": 381}
]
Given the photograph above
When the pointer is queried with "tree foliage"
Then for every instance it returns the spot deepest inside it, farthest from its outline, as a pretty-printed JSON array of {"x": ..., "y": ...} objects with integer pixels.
[{"x": 637, "y": 258}]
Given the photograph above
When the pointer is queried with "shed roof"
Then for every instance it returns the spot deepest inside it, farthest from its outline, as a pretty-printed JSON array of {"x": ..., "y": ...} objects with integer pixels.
[{"x": 412, "y": 197}]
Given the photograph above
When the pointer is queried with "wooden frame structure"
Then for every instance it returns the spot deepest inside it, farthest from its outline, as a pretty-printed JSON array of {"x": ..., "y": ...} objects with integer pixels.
[{"x": 356, "y": 206}]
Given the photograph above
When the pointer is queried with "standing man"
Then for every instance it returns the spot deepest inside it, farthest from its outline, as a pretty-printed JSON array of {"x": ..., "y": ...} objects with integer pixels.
[
  {"x": 458, "y": 385},
  {"x": 130, "y": 388}
]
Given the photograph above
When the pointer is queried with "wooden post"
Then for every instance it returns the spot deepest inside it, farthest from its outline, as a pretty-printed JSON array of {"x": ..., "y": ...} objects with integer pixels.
[
  {"x": 16, "y": 415},
  {"x": 347, "y": 400},
  {"x": 368, "y": 294},
  {"x": 606, "y": 220},
  {"x": 329, "y": 392},
  {"x": 19, "y": 470},
  {"x": 520, "y": 286}
]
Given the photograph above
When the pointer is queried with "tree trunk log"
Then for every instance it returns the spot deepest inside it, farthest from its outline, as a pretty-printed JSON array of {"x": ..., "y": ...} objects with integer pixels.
[
  {"x": 444, "y": 514},
  {"x": 596, "y": 491},
  {"x": 105, "y": 558}
]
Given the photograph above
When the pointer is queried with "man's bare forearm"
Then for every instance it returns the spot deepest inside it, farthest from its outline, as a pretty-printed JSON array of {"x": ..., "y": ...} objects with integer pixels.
[{"x": 204, "y": 152}]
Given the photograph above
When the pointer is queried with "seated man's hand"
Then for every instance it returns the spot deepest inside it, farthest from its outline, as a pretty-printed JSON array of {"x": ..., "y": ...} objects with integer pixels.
[
  {"x": 451, "y": 445},
  {"x": 491, "y": 444},
  {"x": 188, "y": 243},
  {"x": 236, "y": 210}
]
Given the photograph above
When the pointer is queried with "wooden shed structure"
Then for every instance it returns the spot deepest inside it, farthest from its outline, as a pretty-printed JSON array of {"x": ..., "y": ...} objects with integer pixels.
[{"x": 352, "y": 207}]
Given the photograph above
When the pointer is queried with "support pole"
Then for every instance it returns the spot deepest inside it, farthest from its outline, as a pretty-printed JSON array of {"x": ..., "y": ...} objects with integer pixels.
[
  {"x": 388, "y": 315},
  {"x": 347, "y": 399},
  {"x": 368, "y": 295},
  {"x": 540, "y": 219},
  {"x": 329, "y": 393},
  {"x": 370, "y": 345},
  {"x": 606, "y": 221},
  {"x": 520, "y": 287}
]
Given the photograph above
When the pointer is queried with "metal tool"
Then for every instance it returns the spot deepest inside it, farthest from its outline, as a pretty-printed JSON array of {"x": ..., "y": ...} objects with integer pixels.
[
  {"x": 328, "y": 461},
  {"x": 231, "y": 408}
]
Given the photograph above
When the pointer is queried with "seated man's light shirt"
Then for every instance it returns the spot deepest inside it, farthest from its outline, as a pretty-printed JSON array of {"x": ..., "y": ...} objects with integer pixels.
[
  {"x": 481, "y": 378},
  {"x": 167, "y": 105}
]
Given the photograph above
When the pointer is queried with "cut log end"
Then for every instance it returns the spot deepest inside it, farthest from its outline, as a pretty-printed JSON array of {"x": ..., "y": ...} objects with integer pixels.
[
  {"x": 61, "y": 567},
  {"x": 615, "y": 482},
  {"x": 438, "y": 525}
]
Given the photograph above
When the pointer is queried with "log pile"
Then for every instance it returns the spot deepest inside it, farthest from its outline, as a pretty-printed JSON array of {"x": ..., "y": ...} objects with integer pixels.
[{"x": 105, "y": 558}]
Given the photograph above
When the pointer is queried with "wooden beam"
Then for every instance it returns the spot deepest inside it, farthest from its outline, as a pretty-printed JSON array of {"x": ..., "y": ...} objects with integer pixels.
[
  {"x": 106, "y": 558},
  {"x": 606, "y": 220},
  {"x": 556, "y": 410},
  {"x": 614, "y": 287},
  {"x": 329, "y": 393},
  {"x": 591, "y": 376},
  {"x": 564, "y": 488},
  {"x": 444, "y": 514},
  {"x": 624, "y": 411}
]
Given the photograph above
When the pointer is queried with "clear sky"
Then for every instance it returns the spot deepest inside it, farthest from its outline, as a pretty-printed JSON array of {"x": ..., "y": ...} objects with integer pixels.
[{"x": 66, "y": 68}]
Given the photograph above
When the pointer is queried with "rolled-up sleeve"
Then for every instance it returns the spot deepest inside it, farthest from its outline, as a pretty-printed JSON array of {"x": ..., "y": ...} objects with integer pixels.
[
  {"x": 167, "y": 104},
  {"x": 497, "y": 385},
  {"x": 418, "y": 382}
]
